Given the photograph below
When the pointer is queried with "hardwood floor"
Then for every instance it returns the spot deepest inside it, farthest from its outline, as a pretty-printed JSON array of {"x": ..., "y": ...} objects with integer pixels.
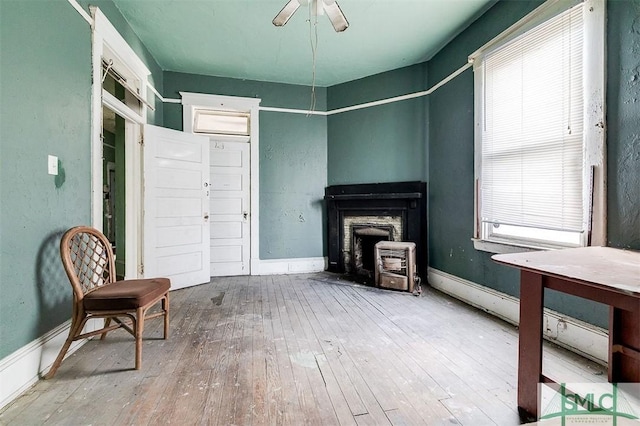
[{"x": 292, "y": 350}]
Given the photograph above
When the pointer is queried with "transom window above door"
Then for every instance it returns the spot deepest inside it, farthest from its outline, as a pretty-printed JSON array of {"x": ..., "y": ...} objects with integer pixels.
[{"x": 215, "y": 122}]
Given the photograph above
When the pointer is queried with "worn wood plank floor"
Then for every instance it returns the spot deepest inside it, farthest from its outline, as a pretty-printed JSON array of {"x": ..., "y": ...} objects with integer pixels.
[{"x": 292, "y": 350}]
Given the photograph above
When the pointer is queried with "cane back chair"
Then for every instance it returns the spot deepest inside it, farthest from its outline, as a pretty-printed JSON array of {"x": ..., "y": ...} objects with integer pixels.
[{"x": 88, "y": 260}]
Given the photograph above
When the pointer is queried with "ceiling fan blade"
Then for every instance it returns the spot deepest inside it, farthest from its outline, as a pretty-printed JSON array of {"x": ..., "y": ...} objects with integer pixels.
[
  {"x": 287, "y": 12},
  {"x": 337, "y": 18}
]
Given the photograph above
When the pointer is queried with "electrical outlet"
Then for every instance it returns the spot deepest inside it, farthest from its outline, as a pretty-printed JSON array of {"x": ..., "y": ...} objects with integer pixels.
[{"x": 53, "y": 165}]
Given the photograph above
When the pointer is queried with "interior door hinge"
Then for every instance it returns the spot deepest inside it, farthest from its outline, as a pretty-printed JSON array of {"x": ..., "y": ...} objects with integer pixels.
[
  {"x": 141, "y": 141},
  {"x": 141, "y": 270}
]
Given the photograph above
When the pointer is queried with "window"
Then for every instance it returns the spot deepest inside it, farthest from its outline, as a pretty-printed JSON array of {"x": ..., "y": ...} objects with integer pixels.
[
  {"x": 221, "y": 122},
  {"x": 534, "y": 137}
]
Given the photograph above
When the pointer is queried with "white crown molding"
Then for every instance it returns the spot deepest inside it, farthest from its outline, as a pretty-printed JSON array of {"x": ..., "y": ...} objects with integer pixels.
[{"x": 81, "y": 11}]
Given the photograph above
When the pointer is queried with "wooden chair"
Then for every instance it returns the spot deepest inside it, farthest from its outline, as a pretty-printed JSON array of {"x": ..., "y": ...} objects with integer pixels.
[{"x": 89, "y": 262}]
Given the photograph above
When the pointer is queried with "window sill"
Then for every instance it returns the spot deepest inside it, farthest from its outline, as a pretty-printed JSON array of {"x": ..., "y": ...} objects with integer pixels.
[{"x": 503, "y": 247}]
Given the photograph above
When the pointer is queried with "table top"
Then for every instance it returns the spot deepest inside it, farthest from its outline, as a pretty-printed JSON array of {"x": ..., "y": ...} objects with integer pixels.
[{"x": 607, "y": 266}]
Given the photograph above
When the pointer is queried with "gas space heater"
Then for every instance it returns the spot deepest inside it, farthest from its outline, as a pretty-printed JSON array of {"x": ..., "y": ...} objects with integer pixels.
[{"x": 396, "y": 266}]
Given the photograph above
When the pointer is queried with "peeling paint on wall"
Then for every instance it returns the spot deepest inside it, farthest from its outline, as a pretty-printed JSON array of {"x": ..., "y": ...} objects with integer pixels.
[
  {"x": 635, "y": 27},
  {"x": 623, "y": 124}
]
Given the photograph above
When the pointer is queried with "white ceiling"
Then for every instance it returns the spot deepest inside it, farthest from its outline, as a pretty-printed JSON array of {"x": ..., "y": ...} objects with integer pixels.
[{"x": 235, "y": 38}]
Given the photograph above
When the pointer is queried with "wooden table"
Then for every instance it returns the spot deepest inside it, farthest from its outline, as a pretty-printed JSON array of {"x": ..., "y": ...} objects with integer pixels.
[{"x": 602, "y": 274}]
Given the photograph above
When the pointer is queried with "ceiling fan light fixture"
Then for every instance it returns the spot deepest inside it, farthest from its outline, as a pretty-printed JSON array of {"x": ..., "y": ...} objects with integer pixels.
[
  {"x": 319, "y": 7},
  {"x": 335, "y": 15},
  {"x": 286, "y": 13}
]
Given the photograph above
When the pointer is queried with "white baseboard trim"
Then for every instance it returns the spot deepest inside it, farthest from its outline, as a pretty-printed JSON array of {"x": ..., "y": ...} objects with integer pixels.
[
  {"x": 23, "y": 368},
  {"x": 578, "y": 336},
  {"x": 303, "y": 265}
]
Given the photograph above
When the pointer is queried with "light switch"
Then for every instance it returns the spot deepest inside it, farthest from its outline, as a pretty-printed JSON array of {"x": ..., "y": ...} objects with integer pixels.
[{"x": 53, "y": 165}]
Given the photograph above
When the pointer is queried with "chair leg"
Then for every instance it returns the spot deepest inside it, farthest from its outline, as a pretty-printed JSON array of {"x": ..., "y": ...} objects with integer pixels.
[
  {"x": 74, "y": 330},
  {"x": 139, "y": 328},
  {"x": 107, "y": 322},
  {"x": 165, "y": 308}
]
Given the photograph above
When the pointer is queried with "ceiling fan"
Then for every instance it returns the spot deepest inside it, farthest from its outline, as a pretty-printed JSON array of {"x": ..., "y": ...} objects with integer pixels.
[{"x": 318, "y": 7}]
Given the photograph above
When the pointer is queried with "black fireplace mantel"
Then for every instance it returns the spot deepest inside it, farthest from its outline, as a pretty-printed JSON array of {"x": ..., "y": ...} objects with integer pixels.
[
  {"x": 405, "y": 199},
  {"x": 390, "y": 196}
]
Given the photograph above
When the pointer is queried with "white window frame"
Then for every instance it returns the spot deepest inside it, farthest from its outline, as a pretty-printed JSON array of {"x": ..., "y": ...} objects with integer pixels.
[
  {"x": 203, "y": 130},
  {"x": 594, "y": 76}
]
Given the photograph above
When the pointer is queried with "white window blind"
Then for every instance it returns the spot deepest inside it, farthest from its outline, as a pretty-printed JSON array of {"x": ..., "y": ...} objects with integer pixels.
[{"x": 532, "y": 159}]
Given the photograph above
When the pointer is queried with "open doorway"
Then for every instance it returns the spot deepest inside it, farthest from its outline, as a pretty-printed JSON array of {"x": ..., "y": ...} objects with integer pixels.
[
  {"x": 114, "y": 183},
  {"x": 119, "y": 112},
  {"x": 118, "y": 135}
]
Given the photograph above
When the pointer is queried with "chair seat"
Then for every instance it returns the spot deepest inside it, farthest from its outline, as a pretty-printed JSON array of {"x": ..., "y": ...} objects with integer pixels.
[{"x": 127, "y": 294}]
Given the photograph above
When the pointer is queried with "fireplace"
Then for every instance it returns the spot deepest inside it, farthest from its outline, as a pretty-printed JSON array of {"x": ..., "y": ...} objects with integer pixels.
[
  {"x": 361, "y": 215},
  {"x": 364, "y": 236}
]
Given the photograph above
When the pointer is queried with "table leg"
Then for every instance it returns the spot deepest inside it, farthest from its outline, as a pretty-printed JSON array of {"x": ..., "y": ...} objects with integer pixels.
[
  {"x": 624, "y": 345},
  {"x": 530, "y": 344}
]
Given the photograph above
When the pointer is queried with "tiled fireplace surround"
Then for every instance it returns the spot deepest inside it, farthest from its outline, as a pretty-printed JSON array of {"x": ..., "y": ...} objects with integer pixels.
[{"x": 396, "y": 210}]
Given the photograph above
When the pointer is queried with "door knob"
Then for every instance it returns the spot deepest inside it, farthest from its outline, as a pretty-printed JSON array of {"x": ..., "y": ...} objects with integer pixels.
[
  {"x": 206, "y": 216},
  {"x": 245, "y": 215}
]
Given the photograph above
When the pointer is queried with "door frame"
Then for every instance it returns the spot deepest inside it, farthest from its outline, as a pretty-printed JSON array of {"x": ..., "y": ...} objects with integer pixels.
[
  {"x": 191, "y": 101},
  {"x": 107, "y": 42}
]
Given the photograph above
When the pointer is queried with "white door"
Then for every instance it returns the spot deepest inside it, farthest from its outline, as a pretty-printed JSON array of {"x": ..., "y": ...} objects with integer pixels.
[
  {"x": 230, "y": 209},
  {"x": 176, "y": 206}
]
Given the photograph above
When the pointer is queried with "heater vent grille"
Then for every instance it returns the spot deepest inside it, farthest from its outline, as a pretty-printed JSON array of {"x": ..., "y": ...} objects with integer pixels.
[{"x": 395, "y": 265}]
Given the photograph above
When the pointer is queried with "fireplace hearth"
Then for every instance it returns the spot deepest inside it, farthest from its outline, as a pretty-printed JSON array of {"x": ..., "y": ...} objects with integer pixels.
[{"x": 361, "y": 215}]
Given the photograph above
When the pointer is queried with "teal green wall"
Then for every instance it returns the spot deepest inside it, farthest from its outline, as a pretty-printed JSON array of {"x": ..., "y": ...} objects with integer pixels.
[
  {"x": 451, "y": 152},
  {"x": 293, "y": 175},
  {"x": 623, "y": 124},
  {"x": 45, "y": 104},
  {"x": 386, "y": 143},
  {"x": 293, "y": 160},
  {"x": 40, "y": 117}
]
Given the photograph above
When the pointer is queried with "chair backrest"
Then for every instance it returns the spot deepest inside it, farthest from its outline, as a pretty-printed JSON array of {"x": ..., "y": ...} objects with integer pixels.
[{"x": 87, "y": 258}]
